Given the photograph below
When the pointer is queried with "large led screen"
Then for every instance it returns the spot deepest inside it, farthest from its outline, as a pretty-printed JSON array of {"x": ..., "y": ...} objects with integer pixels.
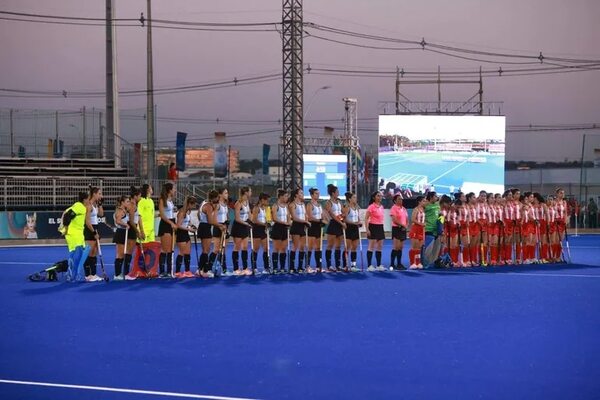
[
  {"x": 322, "y": 169},
  {"x": 441, "y": 153}
]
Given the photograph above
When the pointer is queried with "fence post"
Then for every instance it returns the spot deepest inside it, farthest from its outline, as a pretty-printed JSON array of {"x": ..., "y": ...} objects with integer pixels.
[{"x": 54, "y": 193}]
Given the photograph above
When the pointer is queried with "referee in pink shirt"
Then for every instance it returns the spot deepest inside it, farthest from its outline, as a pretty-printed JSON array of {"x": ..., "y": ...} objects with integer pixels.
[
  {"x": 399, "y": 227},
  {"x": 375, "y": 233}
]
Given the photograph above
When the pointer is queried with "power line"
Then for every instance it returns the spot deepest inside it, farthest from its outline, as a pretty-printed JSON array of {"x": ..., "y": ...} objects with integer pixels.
[{"x": 451, "y": 51}]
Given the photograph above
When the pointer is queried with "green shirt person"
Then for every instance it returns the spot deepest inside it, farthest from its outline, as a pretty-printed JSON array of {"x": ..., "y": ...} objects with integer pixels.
[
  {"x": 146, "y": 210},
  {"x": 78, "y": 250},
  {"x": 432, "y": 212}
]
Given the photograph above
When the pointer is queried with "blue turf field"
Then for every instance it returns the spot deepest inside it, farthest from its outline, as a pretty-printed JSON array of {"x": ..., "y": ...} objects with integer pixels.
[
  {"x": 407, "y": 168},
  {"x": 495, "y": 333}
]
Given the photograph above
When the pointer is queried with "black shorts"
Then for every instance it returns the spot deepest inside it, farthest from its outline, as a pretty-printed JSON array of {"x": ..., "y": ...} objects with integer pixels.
[
  {"x": 182, "y": 236},
  {"x": 216, "y": 232},
  {"x": 315, "y": 229},
  {"x": 119, "y": 236},
  {"x": 377, "y": 232},
  {"x": 204, "y": 230},
  {"x": 240, "y": 230},
  {"x": 398, "y": 232},
  {"x": 280, "y": 232},
  {"x": 334, "y": 228},
  {"x": 352, "y": 232},
  {"x": 164, "y": 228},
  {"x": 297, "y": 228},
  {"x": 259, "y": 232},
  {"x": 89, "y": 235}
]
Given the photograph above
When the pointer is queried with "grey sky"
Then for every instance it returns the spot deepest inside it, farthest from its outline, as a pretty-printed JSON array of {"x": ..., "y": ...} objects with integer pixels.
[{"x": 38, "y": 56}]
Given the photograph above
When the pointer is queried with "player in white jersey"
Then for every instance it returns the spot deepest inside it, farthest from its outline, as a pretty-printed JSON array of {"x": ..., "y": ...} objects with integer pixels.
[
  {"x": 333, "y": 208},
  {"x": 298, "y": 229},
  {"x": 260, "y": 224},
  {"x": 282, "y": 222},
  {"x": 208, "y": 221},
  {"x": 166, "y": 229},
  {"x": 94, "y": 209},
  {"x": 241, "y": 231},
  {"x": 221, "y": 232},
  {"x": 182, "y": 238},
  {"x": 314, "y": 214},
  {"x": 353, "y": 223}
]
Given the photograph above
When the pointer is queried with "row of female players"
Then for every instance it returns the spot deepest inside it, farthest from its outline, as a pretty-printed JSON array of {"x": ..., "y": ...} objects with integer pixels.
[
  {"x": 512, "y": 228},
  {"x": 490, "y": 229},
  {"x": 296, "y": 230}
]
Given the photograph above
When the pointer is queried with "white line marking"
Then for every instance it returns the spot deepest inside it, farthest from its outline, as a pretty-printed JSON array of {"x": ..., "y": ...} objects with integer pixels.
[
  {"x": 135, "y": 391},
  {"x": 500, "y": 273},
  {"x": 447, "y": 172}
]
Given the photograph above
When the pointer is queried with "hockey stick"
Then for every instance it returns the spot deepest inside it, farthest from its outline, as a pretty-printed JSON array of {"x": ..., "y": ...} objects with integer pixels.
[
  {"x": 306, "y": 252},
  {"x": 173, "y": 237},
  {"x": 104, "y": 276},
  {"x": 568, "y": 247},
  {"x": 217, "y": 264}
]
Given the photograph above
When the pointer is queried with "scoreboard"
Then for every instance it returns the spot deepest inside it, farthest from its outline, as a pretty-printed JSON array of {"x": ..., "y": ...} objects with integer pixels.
[{"x": 321, "y": 170}]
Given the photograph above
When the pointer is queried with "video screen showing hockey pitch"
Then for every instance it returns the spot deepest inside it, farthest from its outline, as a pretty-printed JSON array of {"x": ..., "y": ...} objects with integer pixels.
[
  {"x": 442, "y": 153},
  {"x": 322, "y": 169}
]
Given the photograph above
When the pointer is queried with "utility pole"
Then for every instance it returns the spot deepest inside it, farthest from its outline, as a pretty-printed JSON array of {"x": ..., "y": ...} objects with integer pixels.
[
  {"x": 83, "y": 133},
  {"x": 101, "y": 136},
  {"x": 480, "y": 92},
  {"x": 56, "y": 144},
  {"x": 397, "y": 90},
  {"x": 12, "y": 135},
  {"x": 150, "y": 162},
  {"x": 439, "y": 83},
  {"x": 112, "y": 104}
]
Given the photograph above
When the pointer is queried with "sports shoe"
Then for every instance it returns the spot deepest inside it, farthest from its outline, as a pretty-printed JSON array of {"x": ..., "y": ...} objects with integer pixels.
[
  {"x": 266, "y": 271},
  {"x": 130, "y": 278},
  {"x": 331, "y": 269},
  {"x": 179, "y": 275},
  {"x": 208, "y": 274},
  {"x": 371, "y": 268},
  {"x": 413, "y": 266},
  {"x": 164, "y": 275},
  {"x": 90, "y": 278},
  {"x": 118, "y": 278},
  {"x": 310, "y": 270},
  {"x": 97, "y": 278},
  {"x": 238, "y": 272},
  {"x": 354, "y": 268},
  {"x": 420, "y": 266},
  {"x": 248, "y": 272},
  {"x": 381, "y": 268},
  {"x": 227, "y": 273}
]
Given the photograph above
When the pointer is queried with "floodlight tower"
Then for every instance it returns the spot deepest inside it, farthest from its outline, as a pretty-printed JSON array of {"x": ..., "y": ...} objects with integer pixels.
[
  {"x": 293, "y": 120},
  {"x": 351, "y": 142}
]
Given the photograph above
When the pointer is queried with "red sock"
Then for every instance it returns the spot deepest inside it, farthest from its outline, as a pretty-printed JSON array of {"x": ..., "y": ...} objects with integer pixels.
[
  {"x": 507, "y": 252},
  {"x": 494, "y": 254},
  {"x": 518, "y": 254},
  {"x": 412, "y": 255},
  {"x": 454, "y": 255},
  {"x": 544, "y": 252},
  {"x": 485, "y": 254},
  {"x": 465, "y": 254},
  {"x": 474, "y": 251}
]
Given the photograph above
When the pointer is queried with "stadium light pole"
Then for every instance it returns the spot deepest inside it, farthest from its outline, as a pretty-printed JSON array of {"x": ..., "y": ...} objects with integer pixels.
[{"x": 312, "y": 98}]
